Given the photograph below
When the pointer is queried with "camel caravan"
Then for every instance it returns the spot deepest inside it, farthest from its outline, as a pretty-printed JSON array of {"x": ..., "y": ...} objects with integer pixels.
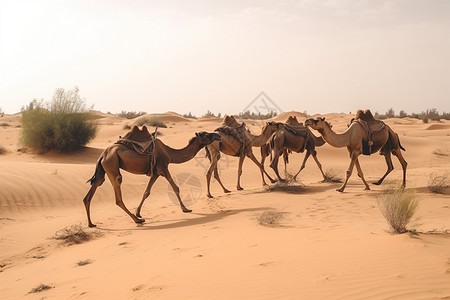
[{"x": 142, "y": 152}]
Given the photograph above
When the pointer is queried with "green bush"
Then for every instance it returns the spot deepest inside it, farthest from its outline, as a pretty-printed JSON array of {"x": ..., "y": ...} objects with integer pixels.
[
  {"x": 150, "y": 122},
  {"x": 64, "y": 124}
]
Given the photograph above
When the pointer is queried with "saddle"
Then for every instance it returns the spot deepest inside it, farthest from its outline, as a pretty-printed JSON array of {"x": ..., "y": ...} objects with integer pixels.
[
  {"x": 371, "y": 126},
  {"x": 237, "y": 132},
  {"x": 142, "y": 142}
]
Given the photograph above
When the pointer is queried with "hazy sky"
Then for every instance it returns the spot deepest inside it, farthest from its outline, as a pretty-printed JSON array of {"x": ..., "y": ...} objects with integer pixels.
[{"x": 192, "y": 56}]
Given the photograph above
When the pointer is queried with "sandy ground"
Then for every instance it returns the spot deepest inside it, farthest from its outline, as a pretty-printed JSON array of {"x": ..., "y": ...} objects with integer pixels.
[{"x": 328, "y": 245}]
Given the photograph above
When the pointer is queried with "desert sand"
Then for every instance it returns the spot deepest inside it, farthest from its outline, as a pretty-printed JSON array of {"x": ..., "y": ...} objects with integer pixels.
[{"x": 328, "y": 245}]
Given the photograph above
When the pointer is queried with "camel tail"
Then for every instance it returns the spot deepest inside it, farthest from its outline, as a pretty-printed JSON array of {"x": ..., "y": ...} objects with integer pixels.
[
  {"x": 98, "y": 171},
  {"x": 208, "y": 154},
  {"x": 400, "y": 145}
]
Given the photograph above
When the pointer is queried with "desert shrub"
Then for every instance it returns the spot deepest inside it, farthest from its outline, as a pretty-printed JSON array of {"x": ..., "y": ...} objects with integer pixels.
[
  {"x": 256, "y": 116},
  {"x": 287, "y": 187},
  {"x": 75, "y": 234},
  {"x": 84, "y": 262},
  {"x": 131, "y": 114},
  {"x": 438, "y": 183},
  {"x": 270, "y": 218},
  {"x": 189, "y": 116},
  {"x": 150, "y": 122},
  {"x": 40, "y": 288},
  {"x": 398, "y": 206},
  {"x": 126, "y": 127},
  {"x": 64, "y": 124},
  {"x": 2, "y": 150},
  {"x": 333, "y": 175}
]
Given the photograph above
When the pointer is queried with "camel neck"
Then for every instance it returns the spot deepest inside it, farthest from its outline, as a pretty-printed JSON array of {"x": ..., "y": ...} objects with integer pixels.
[
  {"x": 260, "y": 140},
  {"x": 335, "y": 139},
  {"x": 178, "y": 156}
]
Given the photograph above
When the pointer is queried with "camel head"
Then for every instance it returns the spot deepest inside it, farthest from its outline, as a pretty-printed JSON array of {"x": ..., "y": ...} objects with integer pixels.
[
  {"x": 205, "y": 138},
  {"x": 317, "y": 123},
  {"x": 271, "y": 126}
]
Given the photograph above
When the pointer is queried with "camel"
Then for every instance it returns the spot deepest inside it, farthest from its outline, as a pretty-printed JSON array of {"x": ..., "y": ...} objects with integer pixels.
[
  {"x": 154, "y": 164},
  {"x": 365, "y": 135},
  {"x": 293, "y": 136},
  {"x": 235, "y": 141}
]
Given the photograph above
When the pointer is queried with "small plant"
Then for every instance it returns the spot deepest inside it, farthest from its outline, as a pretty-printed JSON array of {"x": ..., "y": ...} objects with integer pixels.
[
  {"x": 130, "y": 114},
  {"x": 150, "y": 122},
  {"x": 398, "y": 206},
  {"x": 75, "y": 234},
  {"x": 4, "y": 124},
  {"x": 84, "y": 262},
  {"x": 332, "y": 175},
  {"x": 126, "y": 127},
  {"x": 40, "y": 288},
  {"x": 2, "y": 150},
  {"x": 288, "y": 187},
  {"x": 438, "y": 183},
  {"x": 270, "y": 218}
]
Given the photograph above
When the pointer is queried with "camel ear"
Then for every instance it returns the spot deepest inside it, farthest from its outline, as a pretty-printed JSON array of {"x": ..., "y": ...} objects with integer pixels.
[
  {"x": 196, "y": 134},
  {"x": 323, "y": 119}
]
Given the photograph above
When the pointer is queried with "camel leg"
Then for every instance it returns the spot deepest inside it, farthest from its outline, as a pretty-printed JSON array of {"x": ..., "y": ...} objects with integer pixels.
[
  {"x": 353, "y": 157},
  {"x": 404, "y": 164},
  {"x": 116, "y": 181},
  {"x": 213, "y": 168},
  {"x": 241, "y": 162},
  {"x": 176, "y": 189},
  {"x": 274, "y": 165},
  {"x": 319, "y": 165},
  {"x": 146, "y": 194},
  {"x": 303, "y": 164},
  {"x": 99, "y": 179},
  {"x": 361, "y": 175},
  {"x": 387, "y": 157},
  {"x": 263, "y": 158},
  {"x": 217, "y": 177},
  {"x": 286, "y": 161},
  {"x": 261, "y": 167}
]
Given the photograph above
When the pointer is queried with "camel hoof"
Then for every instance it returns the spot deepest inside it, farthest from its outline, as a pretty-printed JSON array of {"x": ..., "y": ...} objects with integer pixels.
[
  {"x": 294, "y": 178},
  {"x": 139, "y": 221},
  {"x": 92, "y": 225},
  {"x": 367, "y": 188},
  {"x": 340, "y": 190},
  {"x": 240, "y": 188},
  {"x": 227, "y": 191},
  {"x": 273, "y": 181},
  {"x": 376, "y": 183},
  {"x": 209, "y": 196},
  {"x": 187, "y": 210}
]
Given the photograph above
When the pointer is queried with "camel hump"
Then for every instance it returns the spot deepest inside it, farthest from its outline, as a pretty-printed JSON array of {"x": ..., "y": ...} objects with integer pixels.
[
  {"x": 292, "y": 120},
  {"x": 138, "y": 135},
  {"x": 365, "y": 116},
  {"x": 230, "y": 121}
]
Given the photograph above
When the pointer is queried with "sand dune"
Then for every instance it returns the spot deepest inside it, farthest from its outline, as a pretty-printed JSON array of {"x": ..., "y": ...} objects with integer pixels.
[{"x": 328, "y": 245}]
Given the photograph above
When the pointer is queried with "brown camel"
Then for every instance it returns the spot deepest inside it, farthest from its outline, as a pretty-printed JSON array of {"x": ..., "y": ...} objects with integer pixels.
[
  {"x": 293, "y": 136},
  {"x": 364, "y": 136},
  {"x": 154, "y": 164},
  {"x": 235, "y": 141}
]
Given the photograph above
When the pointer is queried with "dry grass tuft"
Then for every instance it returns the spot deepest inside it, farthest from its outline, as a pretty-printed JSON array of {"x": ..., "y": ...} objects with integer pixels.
[
  {"x": 288, "y": 187},
  {"x": 84, "y": 262},
  {"x": 75, "y": 234},
  {"x": 438, "y": 183},
  {"x": 270, "y": 218},
  {"x": 332, "y": 175},
  {"x": 398, "y": 206},
  {"x": 2, "y": 150},
  {"x": 40, "y": 288}
]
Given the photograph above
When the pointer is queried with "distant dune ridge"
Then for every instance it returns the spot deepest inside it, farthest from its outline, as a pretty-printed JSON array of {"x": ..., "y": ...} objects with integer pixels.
[{"x": 328, "y": 245}]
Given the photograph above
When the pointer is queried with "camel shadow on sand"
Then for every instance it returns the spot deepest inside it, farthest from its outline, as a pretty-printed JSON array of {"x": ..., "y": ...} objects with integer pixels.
[{"x": 199, "y": 219}]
